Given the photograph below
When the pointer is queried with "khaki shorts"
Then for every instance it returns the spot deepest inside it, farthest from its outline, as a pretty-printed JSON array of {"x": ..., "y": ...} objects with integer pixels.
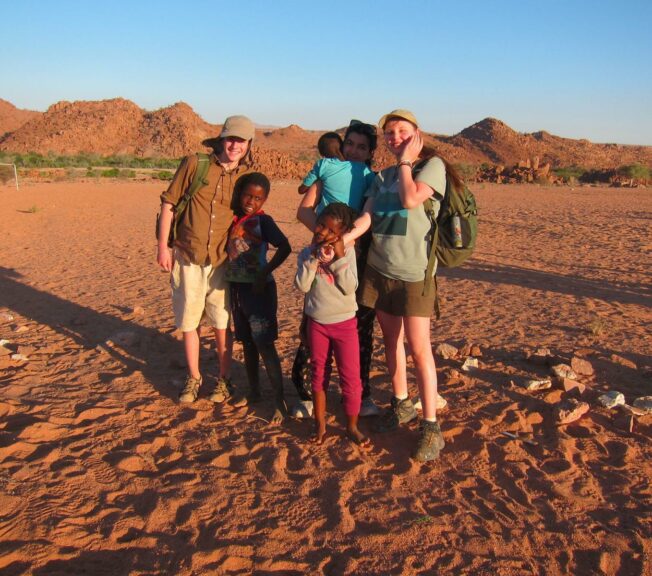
[
  {"x": 397, "y": 297},
  {"x": 198, "y": 290}
]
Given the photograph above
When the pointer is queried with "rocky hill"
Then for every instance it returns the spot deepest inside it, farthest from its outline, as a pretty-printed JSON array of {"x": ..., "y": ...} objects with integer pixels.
[
  {"x": 119, "y": 126},
  {"x": 12, "y": 118}
]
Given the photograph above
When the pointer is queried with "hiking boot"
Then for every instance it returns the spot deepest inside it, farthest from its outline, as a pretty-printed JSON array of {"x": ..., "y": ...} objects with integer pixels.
[
  {"x": 190, "y": 390},
  {"x": 223, "y": 391},
  {"x": 369, "y": 408},
  {"x": 430, "y": 443},
  {"x": 400, "y": 412}
]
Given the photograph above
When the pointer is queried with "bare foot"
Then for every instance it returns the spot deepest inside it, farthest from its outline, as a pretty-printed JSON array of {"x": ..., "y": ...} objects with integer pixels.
[
  {"x": 280, "y": 413},
  {"x": 358, "y": 438},
  {"x": 250, "y": 398},
  {"x": 320, "y": 432}
]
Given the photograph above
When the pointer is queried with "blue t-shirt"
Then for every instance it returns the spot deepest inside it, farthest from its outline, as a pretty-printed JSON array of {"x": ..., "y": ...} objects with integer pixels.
[
  {"x": 247, "y": 245},
  {"x": 342, "y": 181}
]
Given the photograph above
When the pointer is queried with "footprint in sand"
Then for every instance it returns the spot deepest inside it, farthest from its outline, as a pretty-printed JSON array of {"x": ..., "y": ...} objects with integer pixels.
[
  {"x": 94, "y": 414},
  {"x": 43, "y": 431}
]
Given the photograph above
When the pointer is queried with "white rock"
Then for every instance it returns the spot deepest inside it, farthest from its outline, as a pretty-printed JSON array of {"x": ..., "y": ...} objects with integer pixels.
[
  {"x": 612, "y": 399},
  {"x": 470, "y": 364},
  {"x": 21, "y": 357},
  {"x": 563, "y": 371},
  {"x": 643, "y": 403},
  {"x": 534, "y": 384}
]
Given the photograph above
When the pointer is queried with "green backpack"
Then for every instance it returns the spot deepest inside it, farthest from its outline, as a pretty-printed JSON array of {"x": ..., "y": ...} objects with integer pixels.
[
  {"x": 198, "y": 180},
  {"x": 451, "y": 242}
]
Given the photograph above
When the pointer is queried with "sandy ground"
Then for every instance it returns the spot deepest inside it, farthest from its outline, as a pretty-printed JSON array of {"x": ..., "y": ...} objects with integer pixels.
[{"x": 102, "y": 472}]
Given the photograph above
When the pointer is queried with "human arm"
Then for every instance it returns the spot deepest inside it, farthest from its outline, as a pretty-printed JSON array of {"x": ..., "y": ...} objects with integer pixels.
[
  {"x": 361, "y": 223},
  {"x": 283, "y": 250},
  {"x": 306, "y": 211},
  {"x": 306, "y": 270},
  {"x": 412, "y": 193},
  {"x": 344, "y": 270},
  {"x": 164, "y": 256}
]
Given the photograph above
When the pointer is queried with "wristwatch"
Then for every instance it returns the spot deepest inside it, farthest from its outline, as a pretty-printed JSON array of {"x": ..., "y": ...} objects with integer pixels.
[{"x": 405, "y": 163}]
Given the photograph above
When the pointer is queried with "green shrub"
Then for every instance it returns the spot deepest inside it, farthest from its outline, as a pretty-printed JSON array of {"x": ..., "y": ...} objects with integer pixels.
[
  {"x": 570, "y": 172},
  {"x": 127, "y": 173},
  {"x": 636, "y": 171},
  {"x": 110, "y": 173},
  {"x": 466, "y": 171},
  {"x": 84, "y": 160},
  {"x": 163, "y": 175}
]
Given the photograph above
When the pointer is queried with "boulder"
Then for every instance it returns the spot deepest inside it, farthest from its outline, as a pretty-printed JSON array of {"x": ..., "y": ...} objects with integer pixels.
[{"x": 570, "y": 410}]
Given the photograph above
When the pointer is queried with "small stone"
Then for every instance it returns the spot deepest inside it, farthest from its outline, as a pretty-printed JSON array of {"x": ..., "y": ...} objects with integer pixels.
[
  {"x": 563, "y": 371},
  {"x": 570, "y": 410},
  {"x": 465, "y": 350},
  {"x": 611, "y": 399},
  {"x": 6, "y": 317},
  {"x": 125, "y": 338},
  {"x": 21, "y": 328},
  {"x": 19, "y": 357},
  {"x": 540, "y": 356},
  {"x": 453, "y": 374},
  {"x": 643, "y": 403},
  {"x": 476, "y": 350},
  {"x": 470, "y": 364},
  {"x": 581, "y": 366},
  {"x": 623, "y": 361},
  {"x": 572, "y": 386},
  {"x": 446, "y": 351},
  {"x": 533, "y": 384},
  {"x": 138, "y": 311},
  {"x": 632, "y": 410}
]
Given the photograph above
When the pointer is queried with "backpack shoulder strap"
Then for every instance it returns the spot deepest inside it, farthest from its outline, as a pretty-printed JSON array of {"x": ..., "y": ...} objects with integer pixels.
[
  {"x": 429, "y": 207},
  {"x": 199, "y": 179}
]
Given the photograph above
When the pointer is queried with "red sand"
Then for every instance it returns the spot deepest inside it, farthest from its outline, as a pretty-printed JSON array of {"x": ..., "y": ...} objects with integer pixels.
[{"x": 102, "y": 472}]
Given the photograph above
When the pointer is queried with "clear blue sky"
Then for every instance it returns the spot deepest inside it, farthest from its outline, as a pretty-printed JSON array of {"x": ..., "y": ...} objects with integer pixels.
[{"x": 579, "y": 69}]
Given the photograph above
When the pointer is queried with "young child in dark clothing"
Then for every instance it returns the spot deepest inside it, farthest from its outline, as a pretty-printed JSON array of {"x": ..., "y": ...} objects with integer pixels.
[
  {"x": 253, "y": 290},
  {"x": 329, "y": 146}
]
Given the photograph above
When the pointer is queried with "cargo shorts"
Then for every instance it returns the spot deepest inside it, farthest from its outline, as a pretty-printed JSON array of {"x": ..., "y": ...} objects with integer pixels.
[{"x": 197, "y": 291}]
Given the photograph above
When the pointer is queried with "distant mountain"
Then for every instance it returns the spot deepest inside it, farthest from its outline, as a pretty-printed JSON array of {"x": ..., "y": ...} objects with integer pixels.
[
  {"x": 119, "y": 126},
  {"x": 12, "y": 118}
]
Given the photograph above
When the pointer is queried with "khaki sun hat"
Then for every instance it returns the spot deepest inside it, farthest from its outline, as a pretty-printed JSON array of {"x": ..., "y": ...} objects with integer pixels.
[
  {"x": 398, "y": 113},
  {"x": 238, "y": 127}
]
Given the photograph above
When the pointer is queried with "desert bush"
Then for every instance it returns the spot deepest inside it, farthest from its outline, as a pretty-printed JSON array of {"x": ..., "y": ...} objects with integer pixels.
[
  {"x": 570, "y": 172},
  {"x": 163, "y": 175},
  {"x": 127, "y": 173},
  {"x": 636, "y": 171},
  {"x": 110, "y": 173},
  {"x": 84, "y": 160},
  {"x": 466, "y": 171}
]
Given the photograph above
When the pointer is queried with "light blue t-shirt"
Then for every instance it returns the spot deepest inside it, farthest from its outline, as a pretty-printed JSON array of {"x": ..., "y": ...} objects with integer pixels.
[{"x": 342, "y": 181}]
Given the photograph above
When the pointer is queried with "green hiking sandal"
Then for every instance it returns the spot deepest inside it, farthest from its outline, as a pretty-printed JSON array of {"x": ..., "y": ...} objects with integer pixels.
[
  {"x": 223, "y": 391},
  {"x": 190, "y": 390},
  {"x": 430, "y": 443},
  {"x": 399, "y": 412}
]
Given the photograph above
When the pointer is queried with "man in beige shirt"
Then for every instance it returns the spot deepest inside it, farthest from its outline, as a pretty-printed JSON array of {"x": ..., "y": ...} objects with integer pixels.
[{"x": 196, "y": 260}]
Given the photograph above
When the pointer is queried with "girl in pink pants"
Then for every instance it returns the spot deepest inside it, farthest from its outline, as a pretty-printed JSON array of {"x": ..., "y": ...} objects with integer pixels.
[{"x": 327, "y": 274}]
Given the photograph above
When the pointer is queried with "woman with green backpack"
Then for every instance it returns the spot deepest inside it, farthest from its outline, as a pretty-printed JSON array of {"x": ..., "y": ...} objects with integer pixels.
[{"x": 393, "y": 281}]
